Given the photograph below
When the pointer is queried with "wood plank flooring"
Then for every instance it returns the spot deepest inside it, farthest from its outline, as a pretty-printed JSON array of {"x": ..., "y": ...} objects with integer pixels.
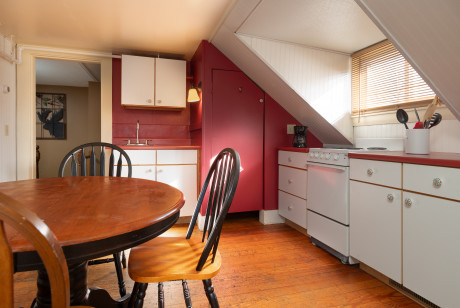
[{"x": 263, "y": 266}]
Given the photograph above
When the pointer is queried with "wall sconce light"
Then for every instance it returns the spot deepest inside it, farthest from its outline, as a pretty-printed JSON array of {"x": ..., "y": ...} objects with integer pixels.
[{"x": 193, "y": 96}]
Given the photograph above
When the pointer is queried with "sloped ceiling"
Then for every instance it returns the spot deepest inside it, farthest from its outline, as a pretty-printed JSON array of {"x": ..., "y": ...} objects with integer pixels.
[
  {"x": 253, "y": 17},
  {"x": 427, "y": 33}
]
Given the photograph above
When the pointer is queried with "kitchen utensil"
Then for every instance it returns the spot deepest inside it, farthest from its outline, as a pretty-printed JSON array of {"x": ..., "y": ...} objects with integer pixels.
[
  {"x": 416, "y": 114},
  {"x": 418, "y": 125},
  {"x": 435, "y": 120},
  {"x": 402, "y": 117},
  {"x": 431, "y": 108}
]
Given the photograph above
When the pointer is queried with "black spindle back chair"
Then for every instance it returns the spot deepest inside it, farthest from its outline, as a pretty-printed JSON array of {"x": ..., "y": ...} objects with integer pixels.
[
  {"x": 77, "y": 158},
  {"x": 158, "y": 259},
  {"x": 78, "y": 154}
]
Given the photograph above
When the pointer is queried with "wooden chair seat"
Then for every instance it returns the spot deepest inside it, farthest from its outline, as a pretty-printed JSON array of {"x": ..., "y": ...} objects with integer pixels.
[{"x": 171, "y": 258}]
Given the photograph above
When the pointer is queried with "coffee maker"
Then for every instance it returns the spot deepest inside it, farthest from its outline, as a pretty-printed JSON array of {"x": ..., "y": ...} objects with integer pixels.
[{"x": 300, "y": 137}]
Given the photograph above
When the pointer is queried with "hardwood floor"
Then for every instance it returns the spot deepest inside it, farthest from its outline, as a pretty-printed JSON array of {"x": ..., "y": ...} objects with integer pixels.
[{"x": 263, "y": 266}]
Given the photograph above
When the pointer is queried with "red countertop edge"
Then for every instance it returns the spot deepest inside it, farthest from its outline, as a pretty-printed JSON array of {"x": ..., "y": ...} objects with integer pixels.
[
  {"x": 433, "y": 159},
  {"x": 292, "y": 149},
  {"x": 160, "y": 147}
]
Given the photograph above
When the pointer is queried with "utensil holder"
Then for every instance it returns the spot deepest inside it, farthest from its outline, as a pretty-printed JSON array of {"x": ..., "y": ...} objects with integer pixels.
[{"x": 417, "y": 141}]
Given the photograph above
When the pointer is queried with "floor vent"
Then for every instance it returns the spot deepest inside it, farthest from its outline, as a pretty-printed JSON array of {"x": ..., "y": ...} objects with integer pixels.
[{"x": 419, "y": 298}]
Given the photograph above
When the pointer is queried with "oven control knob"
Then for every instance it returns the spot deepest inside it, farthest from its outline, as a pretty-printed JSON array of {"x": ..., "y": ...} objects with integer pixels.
[
  {"x": 336, "y": 156},
  {"x": 328, "y": 156}
]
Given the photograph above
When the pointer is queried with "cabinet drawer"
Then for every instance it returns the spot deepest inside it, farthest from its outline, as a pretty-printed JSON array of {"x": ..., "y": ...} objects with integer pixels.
[
  {"x": 141, "y": 157},
  {"x": 140, "y": 172},
  {"x": 292, "y": 159},
  {"x": 437, "y": 181},
  {"x": 177, "y": 157},
  {"x": 293, "y": 181},
  {"x": 377, "y": 172},
  {"x": 293, "y": 208}
]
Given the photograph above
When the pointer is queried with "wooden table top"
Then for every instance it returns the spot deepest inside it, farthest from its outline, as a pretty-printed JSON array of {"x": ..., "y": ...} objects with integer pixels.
[{"x": 94, "y": 209}]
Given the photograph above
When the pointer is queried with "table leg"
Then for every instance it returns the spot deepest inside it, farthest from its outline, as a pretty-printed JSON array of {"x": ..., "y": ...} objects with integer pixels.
[{"x": 79, "y": 292}]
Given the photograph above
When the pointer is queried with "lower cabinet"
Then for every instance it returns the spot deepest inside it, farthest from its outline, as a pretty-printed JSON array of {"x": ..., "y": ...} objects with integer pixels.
[
  {"x": 409, "y": 233},
  {"x": 431, "y": 245},
  {"x": 292, "y": 187},
  {"x": 375, "y": 227},
  {"x": 178, "y": 168}
]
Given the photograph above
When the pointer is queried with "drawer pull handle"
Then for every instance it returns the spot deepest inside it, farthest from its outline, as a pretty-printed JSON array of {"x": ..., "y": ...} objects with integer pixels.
[
  {"x": 408, "y": 202},
  {"x": 437, "y": 182},
  {"x": 290, "y": 207},
  {"x": 390, "y": 197},
  {"x": 370, "y": 172},
  {"x": 290, "y": 181}
]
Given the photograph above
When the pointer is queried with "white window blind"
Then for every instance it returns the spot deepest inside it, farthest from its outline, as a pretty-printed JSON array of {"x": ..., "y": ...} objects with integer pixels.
[{"x": 383, "y": 80}]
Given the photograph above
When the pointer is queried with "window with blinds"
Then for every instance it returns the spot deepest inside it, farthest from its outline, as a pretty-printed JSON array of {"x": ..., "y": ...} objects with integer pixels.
[{"x": 382, "y": 80}]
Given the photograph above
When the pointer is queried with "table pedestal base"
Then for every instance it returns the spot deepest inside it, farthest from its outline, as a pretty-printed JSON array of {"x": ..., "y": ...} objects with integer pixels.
[{"x": 79, "y": 292}]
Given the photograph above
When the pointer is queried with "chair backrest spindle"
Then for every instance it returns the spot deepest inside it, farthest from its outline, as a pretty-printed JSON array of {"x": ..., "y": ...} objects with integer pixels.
[
  {"x": 83, "y": 163},
  {"x": 102, "y": 162}
]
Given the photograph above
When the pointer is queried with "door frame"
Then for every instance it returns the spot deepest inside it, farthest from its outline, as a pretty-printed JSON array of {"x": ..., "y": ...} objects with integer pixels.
[{"x": 25, "y": 100}]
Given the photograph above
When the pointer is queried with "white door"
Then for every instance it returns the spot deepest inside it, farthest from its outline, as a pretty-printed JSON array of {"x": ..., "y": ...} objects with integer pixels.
[{"x": 327, "y": 191}]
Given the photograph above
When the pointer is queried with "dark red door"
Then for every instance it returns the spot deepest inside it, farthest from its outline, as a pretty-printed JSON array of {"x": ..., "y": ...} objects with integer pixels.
[{"x": 237, "y": 122}]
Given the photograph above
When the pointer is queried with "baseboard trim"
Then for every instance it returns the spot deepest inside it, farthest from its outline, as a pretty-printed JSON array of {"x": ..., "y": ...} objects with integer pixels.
[{"x": 270, "y": 217}]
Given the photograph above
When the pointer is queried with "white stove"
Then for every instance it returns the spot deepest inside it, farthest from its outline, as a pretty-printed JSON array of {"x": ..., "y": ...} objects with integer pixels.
[
  {"x": 331, "y": 156},
  {"x": 328, "y": 204}
]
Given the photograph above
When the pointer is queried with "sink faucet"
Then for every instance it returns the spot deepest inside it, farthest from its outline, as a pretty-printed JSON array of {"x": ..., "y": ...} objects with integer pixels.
[{"x": 137, "y": 132}]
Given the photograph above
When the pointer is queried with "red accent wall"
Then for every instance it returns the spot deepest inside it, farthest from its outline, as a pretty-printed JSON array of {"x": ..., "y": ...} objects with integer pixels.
[
  {"x": 208, "y": 58},
  {"x": 165, "y": 127}
]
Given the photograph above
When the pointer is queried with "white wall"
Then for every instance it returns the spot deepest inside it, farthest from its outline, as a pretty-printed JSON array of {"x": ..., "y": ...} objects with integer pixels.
[
  {"x": 320, "y": 77},
  {"x": 7, "y": 121},
  {"x": 444, "y": 137}
]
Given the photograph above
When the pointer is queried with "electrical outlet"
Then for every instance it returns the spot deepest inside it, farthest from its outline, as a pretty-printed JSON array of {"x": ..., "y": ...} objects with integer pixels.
[{"x": 290, "y": 129}]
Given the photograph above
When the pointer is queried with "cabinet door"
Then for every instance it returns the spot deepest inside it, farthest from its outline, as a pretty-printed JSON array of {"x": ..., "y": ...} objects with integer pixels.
[
  {"x": 237, "y": 122},
  {"x": 170, "y": 83},
  {"x": 375, "y": 227},
  {"x": 431, "y": 263},
  {"x": 137, "y": 81},
  {"x": 184, "y": 178}
]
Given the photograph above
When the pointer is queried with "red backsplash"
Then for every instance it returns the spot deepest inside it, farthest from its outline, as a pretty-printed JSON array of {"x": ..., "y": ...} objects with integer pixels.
[{"x": 164, "y": 127}]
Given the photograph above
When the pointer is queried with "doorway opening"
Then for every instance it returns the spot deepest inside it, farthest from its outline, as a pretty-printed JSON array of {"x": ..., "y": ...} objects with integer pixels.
[{"x": 68, "y": 110}]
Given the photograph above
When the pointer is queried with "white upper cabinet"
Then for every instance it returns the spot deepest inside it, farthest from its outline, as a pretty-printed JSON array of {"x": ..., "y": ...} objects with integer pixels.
[
  {"x": 170, "y": 84},
  {"x": 152, "y": 82}
]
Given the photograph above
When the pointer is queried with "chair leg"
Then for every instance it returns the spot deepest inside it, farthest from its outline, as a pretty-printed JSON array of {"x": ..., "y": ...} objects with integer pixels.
[
  {"x": 188, "y": 299},
  {"x": 161, "y": 296},
  {"x": 121, "y": 282},
  {"x": 138, "y": 302},
  {"x": 123, "y": 259},
  {"x": 133, "y": 295},
  {"x": 209, "y": 289}
]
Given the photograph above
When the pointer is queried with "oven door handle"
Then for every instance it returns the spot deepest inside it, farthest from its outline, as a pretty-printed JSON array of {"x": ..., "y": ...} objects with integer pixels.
[{"x": 328, "y": 166}]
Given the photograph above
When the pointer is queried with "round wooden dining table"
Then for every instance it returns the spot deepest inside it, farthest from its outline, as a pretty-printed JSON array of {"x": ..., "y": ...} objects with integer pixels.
[{"x": 91, "y": 217}]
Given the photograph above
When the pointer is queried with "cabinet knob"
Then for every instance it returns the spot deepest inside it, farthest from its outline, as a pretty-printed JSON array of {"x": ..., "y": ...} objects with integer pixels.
[
  {"x": 390, "y": 197},
  {"x": 158, "y": 101},
  {"x": 289, "y": 159},
  {"x": 290, "y": 181},
  {"x": 159, "y": 170},
  {"x": 370, "y": 172},
  {"x": 149, "y": 101},
  {"x": 408, "y": 202},
  {"x": 290, "y": 207},
  {"x": 437, "y": 182}
]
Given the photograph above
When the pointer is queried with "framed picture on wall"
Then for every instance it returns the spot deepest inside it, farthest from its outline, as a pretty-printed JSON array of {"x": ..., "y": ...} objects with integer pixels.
[{"x": 51, "y": 116}]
